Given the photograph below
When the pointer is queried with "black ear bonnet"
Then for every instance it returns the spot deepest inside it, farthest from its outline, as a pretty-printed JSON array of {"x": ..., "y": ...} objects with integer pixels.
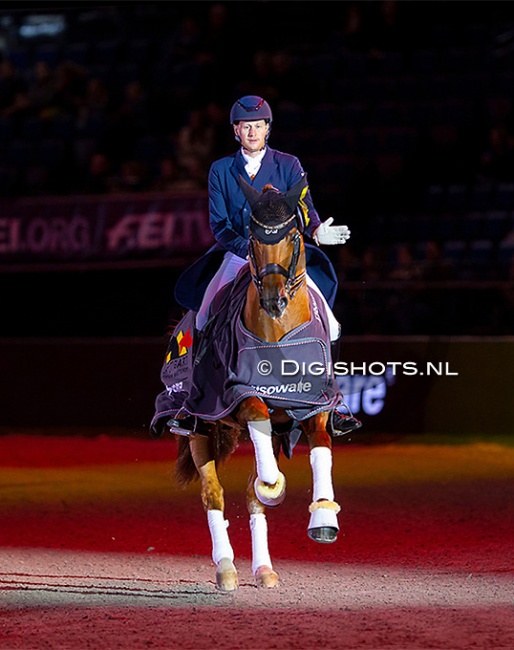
[{"x": 274, "y": 214}]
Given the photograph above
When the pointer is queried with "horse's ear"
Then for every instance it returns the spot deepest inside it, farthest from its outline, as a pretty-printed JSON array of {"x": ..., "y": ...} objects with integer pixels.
[
  {"x": 251, "y": 194},
  {"x": 297, "y": 192}
]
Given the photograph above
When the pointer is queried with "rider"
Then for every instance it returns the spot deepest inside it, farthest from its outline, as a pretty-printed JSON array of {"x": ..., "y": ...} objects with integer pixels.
[{"x": 229, "y": 212}]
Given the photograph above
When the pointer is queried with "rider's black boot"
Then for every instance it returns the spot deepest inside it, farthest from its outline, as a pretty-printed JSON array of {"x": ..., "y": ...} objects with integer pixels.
[{"x": 339, "y": 423}]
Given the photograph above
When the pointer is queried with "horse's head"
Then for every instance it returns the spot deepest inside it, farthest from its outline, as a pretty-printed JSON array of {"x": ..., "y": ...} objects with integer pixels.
[{"x": 275, "y": 245}]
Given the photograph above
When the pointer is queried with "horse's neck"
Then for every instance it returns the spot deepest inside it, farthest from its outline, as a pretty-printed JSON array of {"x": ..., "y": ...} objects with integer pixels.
[{"x": 257, "y": 321}]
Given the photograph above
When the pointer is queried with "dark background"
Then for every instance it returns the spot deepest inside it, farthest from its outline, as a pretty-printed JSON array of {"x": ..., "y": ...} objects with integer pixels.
[{"x": 401, "y": 113}]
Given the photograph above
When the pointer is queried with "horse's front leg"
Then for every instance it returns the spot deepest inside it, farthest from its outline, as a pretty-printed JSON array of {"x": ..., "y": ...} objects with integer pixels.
[
  {"x": 270, "y": 484},
  {"x": 323, "y": 526},
  {"x": 214, "y": 504},
  {"x": 262, "y": 568}
]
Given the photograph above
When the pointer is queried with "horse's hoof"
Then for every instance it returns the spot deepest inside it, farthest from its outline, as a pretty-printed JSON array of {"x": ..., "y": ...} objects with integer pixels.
[
  {"x": 323, "y": 526},
  {"x": 266, "y": 577},
  {"x": 271, "y": 495},
  {"x": 323, "y": 535},
  {"x": 226, "y": 576}
]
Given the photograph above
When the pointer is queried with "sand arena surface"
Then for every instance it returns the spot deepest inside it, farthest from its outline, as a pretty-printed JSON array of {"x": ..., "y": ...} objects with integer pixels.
[{"x": 98, "y": 549}]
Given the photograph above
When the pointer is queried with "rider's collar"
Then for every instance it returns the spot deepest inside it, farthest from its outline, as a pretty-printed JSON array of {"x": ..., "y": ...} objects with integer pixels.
[{"x": 254, "y": 161}]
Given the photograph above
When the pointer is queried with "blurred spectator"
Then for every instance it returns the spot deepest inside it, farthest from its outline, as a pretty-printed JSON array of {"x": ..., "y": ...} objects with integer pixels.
[
  {"x": 12, "y": 85},
  {"x": 195, "y": 142},
  {"x": 372, "y": 263},
  {"x": 434, "y": 266},
  {"x": 98, "y": 178},
  {"x": 215, "y": 45},
  {"x": 259, "y": 80},
  {"x": 388, "y": 33},
  {"x": 183, "y": 42},
  {"x": 175, "y": 178},
  {"x": 168, "y": 175},
  {"x": 217, "y": 117},
  {"x": 70, "y": 86},
  {"x": 133, "y": 108},
  {"x": 128, "y": 122},
  {"x": 289, "y": 80},
  {"x": 215, "y": 56},
  {"x": 497, "y": 160},
  {"x": 35, "y": 179},
  {"x": 41, "y": 93},
  {"x": 132, "y": 177},
  {"x": 13, "y": 91},
  {"x": 352, "y": 37},
  {"x": 96, "y": 101},
  {"x": 403, "y": 264}
]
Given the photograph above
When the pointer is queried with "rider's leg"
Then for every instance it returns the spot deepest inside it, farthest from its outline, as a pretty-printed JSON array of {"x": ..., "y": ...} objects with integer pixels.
[
  {"x": 333, "y": 323},
  {"x": 227, "y": 272},
  {"x": 339, "y": 422}
]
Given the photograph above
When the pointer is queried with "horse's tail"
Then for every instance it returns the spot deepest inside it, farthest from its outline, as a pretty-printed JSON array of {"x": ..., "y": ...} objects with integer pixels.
[{"x": 223, "y": 440}]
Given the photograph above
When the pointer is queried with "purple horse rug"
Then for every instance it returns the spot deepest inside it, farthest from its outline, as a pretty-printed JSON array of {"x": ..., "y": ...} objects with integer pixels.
[{"x": 208, "y": 377}]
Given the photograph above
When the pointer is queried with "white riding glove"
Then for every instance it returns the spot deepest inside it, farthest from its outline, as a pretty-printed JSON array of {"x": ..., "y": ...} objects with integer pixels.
[{"x": 330, "y": 235}]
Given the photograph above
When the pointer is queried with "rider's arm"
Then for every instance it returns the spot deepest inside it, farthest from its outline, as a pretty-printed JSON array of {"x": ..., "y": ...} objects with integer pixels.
[
  {"x": 322, "y": 233},
  {"x": 219, "y": 219},
  {"x": 314, "y": 219}
]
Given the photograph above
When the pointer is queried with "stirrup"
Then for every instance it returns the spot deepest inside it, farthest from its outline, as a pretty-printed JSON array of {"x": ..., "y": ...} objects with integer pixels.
[
  {"x": 177, "y": 427},
  {"x": 341, "y": 424}
]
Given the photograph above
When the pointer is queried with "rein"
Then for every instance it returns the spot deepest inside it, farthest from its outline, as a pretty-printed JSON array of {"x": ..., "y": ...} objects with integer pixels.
[{"x": 293, "y": 281}]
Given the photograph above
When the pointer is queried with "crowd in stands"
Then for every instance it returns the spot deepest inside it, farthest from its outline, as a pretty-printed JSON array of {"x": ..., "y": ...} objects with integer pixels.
[
  {"x": 144, "y": 103},
  {"x": 401, "y": 113}
]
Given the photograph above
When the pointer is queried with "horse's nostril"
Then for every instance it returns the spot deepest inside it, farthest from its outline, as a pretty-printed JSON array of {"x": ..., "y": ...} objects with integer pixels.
[{"x": 274, "y": 307}]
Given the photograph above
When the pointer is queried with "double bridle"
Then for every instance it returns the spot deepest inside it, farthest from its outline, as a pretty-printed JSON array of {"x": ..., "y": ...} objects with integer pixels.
[{"x": 293, "y": 280}]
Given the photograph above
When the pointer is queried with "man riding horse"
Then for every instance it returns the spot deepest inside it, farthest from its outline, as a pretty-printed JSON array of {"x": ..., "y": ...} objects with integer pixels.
[{"x": 229, "y": 213}]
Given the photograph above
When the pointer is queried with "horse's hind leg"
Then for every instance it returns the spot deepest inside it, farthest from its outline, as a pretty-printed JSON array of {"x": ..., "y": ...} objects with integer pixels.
[
  {"x": 261, "y": 560},
  {"x": 214, "y": 504},
  {"x": 323, "y": 526}
]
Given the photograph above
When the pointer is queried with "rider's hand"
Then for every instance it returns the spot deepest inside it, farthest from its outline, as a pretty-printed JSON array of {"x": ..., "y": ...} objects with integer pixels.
[{"x": 330, "y": 235}]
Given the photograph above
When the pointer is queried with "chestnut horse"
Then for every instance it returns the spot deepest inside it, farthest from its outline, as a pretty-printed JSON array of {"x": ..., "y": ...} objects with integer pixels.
[{"x": 278, "y": 301}]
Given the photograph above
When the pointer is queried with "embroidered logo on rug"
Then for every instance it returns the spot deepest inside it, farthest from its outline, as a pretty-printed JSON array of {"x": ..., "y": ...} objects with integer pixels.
[{"x": 179, "y": 345}]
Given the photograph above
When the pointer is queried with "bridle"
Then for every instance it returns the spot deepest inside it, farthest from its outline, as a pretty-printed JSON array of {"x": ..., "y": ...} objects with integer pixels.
[{"x": 293, "y": 280}]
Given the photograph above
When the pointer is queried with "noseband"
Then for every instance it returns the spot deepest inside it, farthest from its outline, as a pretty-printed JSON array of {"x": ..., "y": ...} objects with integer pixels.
[{"x": 293, "y": 281}]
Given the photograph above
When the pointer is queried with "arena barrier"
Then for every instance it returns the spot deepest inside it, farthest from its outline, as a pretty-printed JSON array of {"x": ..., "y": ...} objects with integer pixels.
[{"x": 394, "y": 384}]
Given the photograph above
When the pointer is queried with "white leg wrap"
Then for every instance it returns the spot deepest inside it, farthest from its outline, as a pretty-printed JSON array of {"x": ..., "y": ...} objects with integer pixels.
[
  {"x": 221, "y": 546},
  {"x": 321, "y": 463},
  {"x": 260, "y": 435},
  {"x": 260, "y": 552}
]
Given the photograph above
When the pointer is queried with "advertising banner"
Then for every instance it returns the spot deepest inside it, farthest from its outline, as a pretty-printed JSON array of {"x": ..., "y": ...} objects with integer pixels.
[{"x": 84, "y": 228}]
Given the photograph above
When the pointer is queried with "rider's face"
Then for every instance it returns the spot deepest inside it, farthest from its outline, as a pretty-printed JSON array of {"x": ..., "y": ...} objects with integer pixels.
[{"x": 252, "y": 135}]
